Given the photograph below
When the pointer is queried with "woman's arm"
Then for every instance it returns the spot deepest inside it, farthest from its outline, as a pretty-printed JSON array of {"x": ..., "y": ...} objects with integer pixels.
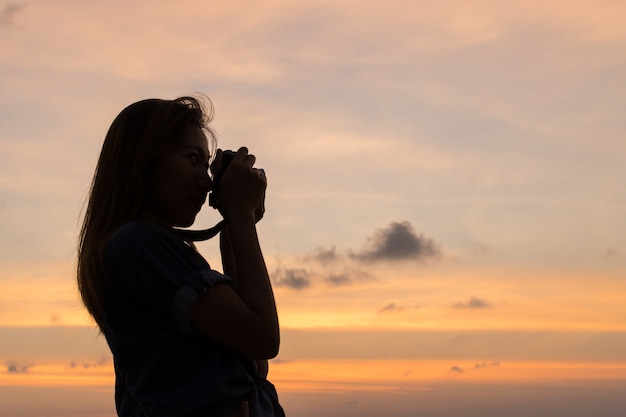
[
  {"x": 245, "y": 318},
  {"x": 230, "y": 269},
  {"x": 228, "y": 259}
]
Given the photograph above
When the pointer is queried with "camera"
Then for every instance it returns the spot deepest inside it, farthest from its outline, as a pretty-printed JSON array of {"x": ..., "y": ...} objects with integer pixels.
[
  {"x": 227, "y": 157},
  {"x": 201, "y": 235}
]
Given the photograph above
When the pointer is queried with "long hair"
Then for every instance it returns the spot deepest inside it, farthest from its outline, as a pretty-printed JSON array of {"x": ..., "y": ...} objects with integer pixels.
[{"x": 141, "y": 133}]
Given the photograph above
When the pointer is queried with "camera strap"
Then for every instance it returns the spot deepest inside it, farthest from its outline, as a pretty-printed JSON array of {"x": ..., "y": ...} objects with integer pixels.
[{"x": 200, "y": 235}]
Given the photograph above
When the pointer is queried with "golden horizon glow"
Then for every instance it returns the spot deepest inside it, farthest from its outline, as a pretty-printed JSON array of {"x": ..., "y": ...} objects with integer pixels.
[
  {"x": 430, "y": 302},
  {"x": 48, "y": 296},
  {"x": 357, "y": 375}
]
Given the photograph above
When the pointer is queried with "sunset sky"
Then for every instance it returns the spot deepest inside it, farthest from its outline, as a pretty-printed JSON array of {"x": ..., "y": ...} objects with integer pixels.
[{"x": 445, "y": 224}]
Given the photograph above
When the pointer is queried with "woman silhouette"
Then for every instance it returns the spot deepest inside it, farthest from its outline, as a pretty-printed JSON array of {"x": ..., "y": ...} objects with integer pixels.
[{"x": 186, "y": 339}]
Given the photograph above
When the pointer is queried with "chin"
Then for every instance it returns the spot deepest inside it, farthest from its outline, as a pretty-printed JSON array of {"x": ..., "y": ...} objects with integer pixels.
[
  {"x": 187, "y": 219},
  {"x": 186, "y": 223}
]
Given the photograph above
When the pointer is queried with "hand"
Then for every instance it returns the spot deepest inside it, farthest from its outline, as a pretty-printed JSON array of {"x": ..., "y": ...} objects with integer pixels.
[{"x": 242, "y": 187}]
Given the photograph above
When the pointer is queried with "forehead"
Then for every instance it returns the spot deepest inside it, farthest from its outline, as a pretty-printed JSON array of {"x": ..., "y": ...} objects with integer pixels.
[{"x": 194, "y": 137}]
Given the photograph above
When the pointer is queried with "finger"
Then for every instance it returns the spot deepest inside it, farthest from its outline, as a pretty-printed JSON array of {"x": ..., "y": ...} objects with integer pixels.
[
  {"x": 250, "y": 160},
  {"x": 260, "y": 178},
  {"x": 261, "y": 172},
  {"x": 247, "y": 158},
  {"x": 242, "y": 153}
]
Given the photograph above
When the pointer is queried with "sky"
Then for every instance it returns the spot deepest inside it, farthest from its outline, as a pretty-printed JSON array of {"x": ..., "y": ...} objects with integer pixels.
[{"x": 445, "y": 224}]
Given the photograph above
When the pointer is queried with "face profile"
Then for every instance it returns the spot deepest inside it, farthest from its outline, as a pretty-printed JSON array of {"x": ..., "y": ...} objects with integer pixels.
[{"x": 179, "y": 181}]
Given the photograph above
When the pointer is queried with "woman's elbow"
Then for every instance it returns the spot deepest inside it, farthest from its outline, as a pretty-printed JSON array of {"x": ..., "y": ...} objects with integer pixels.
[{"x": 267, "y": 348}]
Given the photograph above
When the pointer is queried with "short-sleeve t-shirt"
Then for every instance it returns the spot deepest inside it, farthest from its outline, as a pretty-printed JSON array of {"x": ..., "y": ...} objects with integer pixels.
[{"x": 162, "y": 367}]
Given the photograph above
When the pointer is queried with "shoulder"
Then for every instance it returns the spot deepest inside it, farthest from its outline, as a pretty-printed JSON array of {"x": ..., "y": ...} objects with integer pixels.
[
  {"x": 130, "y": 234},
  {"x": 136, "y": 234},
  {"x": 137, "y": 240}
]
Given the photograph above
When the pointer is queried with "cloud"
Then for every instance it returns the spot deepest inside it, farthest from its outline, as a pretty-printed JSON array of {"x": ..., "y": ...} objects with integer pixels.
[
  {"x": 338, "y": 280},
  {"x": 487, "y": 364},
  {"x": 474, "y": 302},
  {"x": 390, "y": 308},
  {"x": 477, "y": 366},
  {"x": 297, "y": 279},
  {"x": 301, "y": 278},
  {"x": 8, "y": 13},
  {"x": 396, "y": 308},
  {"x": 18, "y": 367},
  {"x": 323, "y": 256},
  {"x": 398, "y": 241},
  {"x": 86, "y": 365},
  {"x": 100, "y": 362},
  {"x": 347, "y": 277}
]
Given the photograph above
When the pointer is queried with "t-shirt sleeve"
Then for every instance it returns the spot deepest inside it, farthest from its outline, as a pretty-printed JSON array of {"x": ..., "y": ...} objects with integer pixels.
[
  {"x": 156, "y": 277},
  {"x": 186, "y": 296}
]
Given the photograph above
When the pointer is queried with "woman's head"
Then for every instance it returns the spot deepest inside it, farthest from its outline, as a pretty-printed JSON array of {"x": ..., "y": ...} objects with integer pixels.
[
  {"x": 137, "y": 138},
  {"x": 136, "y": 142}
]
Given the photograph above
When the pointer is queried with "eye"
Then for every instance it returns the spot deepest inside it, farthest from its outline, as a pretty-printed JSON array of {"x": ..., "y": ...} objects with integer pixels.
[
  {"x": 194, "y": 158},
  {"x": 199, "y": 159}
]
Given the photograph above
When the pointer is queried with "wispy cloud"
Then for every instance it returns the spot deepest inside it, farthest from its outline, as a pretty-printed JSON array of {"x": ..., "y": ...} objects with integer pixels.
[
  {"x": 391, "y": 307},
  {"x": 8, "y": 13},
  {"x": 473, "y": 302},
  {"x": 477, "y": 366},
  {"x": 338, "y": 280},
  {"x": 323, "y": 255},
  {"x": 89, "y": 364},
  {"x": 348, "y": 277},
  {"x": 487, "y": 364},
  {"x": 302, "y": 278},
  {"x": 394, "y": 307},
  {"x": 18, "y": 367},
  {"x": 295, "y": 278},
  {"x": 398, "y": 242}
]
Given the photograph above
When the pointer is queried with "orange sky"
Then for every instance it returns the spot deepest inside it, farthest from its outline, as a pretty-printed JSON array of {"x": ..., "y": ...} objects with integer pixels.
[
  {"x": 349, "y": 382},
  {"x": 446, "y": 189}
]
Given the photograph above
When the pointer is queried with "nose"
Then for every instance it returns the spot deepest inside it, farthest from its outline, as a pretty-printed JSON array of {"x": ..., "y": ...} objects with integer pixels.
[{"x": 206, "y": 182}]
